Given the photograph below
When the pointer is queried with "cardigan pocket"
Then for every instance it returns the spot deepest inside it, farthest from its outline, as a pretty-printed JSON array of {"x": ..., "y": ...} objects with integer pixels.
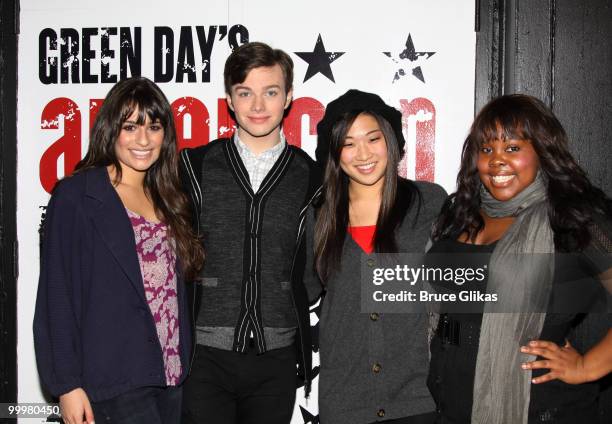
[{"x": 210, "y": 282}]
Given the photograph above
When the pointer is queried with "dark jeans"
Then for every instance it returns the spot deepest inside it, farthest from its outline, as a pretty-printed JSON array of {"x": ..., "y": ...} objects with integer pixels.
[
  {"x": 145, "y": 405},
  {"x": 227, "y": 387}
]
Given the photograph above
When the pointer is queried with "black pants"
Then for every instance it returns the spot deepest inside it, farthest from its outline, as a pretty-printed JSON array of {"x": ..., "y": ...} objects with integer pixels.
[
  {"x": 227, "y": 387},
  {"x": 414, "y": 419},
  {"x": 145, "y": 405}
]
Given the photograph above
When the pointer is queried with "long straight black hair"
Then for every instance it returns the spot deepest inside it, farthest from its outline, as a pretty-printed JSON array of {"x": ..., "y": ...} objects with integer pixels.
[
  {"x": 333, "y": 211},
  {"x": 161, "y": 181}
]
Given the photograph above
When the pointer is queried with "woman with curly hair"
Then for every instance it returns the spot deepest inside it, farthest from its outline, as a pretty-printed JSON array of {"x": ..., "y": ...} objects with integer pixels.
[{"x": 522, "y": 199}]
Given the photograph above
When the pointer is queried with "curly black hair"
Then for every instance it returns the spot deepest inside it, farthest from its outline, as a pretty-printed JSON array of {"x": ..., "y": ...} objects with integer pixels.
[{"x": 573, "y": 200}]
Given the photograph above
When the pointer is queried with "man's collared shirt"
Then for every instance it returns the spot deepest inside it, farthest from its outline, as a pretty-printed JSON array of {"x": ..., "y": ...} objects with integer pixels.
[{"x": 258, "y": 166}]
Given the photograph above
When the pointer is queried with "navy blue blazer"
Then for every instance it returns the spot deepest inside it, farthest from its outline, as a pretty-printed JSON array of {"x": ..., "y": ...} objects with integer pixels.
[{"x": 93, "y": 327}]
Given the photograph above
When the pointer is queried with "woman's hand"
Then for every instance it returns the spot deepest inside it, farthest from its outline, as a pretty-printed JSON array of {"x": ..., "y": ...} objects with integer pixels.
[
  {"x": 75, "y": 407},
  {"x": 564, "y": 363}
]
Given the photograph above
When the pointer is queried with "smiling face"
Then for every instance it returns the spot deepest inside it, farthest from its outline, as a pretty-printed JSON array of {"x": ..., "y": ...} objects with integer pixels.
[
  {"x": 138, "y": 146},
  {"x": 259, "y": 103},
  {"x": 506, "y": 167},
  {"x": 363, "y": 157}
]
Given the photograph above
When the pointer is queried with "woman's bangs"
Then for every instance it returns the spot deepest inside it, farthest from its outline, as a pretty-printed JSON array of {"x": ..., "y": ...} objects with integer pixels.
[
  {"x": 502, "y": 127},
  {"x": 146, "y": 107}
]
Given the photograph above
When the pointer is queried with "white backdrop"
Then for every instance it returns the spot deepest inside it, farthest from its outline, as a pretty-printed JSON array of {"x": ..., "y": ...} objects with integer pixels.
[{"x": 418, "y": 55}]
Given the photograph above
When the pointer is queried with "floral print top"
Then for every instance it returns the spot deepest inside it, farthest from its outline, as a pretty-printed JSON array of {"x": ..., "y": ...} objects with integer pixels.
[{"x": 157, "y": 266}]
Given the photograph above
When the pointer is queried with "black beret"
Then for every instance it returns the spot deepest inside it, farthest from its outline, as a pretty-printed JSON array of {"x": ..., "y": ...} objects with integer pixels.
[{"x": 355, "y": 101}]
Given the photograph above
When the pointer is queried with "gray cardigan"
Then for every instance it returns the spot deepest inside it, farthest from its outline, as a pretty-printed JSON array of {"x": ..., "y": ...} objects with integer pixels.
[
  {"x": 250, "y": 239},
  {"x": 373, "y": 366}
]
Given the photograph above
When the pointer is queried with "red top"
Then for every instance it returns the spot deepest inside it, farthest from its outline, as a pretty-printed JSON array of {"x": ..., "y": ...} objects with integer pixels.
[{"x": 363, "y": 236}]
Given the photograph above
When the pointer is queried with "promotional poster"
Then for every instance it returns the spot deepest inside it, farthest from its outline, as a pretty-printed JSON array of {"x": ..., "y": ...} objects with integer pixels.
[{"x": 418, "y": 56}]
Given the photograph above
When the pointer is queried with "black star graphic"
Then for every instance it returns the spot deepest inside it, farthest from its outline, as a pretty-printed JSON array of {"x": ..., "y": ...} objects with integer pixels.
[
  {"x": 410, "y": 54},
  {"x": 308, "y": 417},
  {"x": 319, "y": 61},
  {"x": 314, "y": 329},
  {"x": 315, "y": 374}
]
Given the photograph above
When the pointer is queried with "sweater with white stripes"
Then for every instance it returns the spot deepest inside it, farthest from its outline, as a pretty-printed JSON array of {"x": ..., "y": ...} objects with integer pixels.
[{"x": 250, "y": 283}]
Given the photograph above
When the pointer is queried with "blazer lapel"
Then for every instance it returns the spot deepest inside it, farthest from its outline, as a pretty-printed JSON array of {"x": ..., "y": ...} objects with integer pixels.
[{"x": 114, "y": 227}]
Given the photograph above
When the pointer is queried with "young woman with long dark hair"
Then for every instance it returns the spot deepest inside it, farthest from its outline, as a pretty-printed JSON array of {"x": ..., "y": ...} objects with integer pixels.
[
  {"x": 522, "y": 199},
  {"x": 373, "y": 365},
  {"x": 111, "y": 329}
]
